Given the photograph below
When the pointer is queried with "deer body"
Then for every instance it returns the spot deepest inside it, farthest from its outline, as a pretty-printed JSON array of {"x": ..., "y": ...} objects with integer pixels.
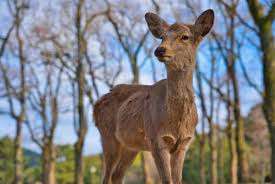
[{"x": 159, "y": 118}]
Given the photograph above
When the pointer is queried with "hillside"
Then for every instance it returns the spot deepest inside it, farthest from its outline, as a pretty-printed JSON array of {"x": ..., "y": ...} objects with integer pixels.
[{"x": 256, "y": 134}]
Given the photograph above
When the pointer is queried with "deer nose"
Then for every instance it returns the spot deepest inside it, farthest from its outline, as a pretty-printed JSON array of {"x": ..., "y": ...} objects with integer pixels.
[{"x": 160, "y": 51}]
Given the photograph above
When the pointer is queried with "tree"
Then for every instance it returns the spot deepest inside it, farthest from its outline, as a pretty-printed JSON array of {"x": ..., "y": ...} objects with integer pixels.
[
  {"x": 45, "y": 102},
  {"x": 209, "y": 117},
  {"x": 263, "y": 22},
  {"x": 230, "y": 58},
  {"x": 15, "y": 93},
  {"x": 73, "y": 56},
  {"x": 81, "y": 84},
  {"x": 82, "y": 121}
]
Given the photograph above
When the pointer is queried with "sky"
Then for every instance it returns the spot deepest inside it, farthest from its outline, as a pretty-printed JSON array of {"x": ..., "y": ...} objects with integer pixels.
[{"x": 65, "y": 133}]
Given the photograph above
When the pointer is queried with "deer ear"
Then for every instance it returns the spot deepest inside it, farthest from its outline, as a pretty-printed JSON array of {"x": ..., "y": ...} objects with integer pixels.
[
  {"x": 157, "y": 25},
  {"x": 204, "y": 22}
]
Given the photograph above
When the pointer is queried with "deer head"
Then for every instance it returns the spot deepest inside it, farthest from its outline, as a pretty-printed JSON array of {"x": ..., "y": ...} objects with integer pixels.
[{"x": 179, "y": 41}]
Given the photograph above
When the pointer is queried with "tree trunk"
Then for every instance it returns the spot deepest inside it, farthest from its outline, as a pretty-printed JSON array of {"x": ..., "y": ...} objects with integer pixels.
[
  {"x": 82, "y": 126},
  {"x": 18, "y": 155},
  {"x": 268, "y": 48},
  {"x": 82, "y": 129},
  {"x": 272, "y": 137},
  {"x": 213, "y": 154},
  {"x": 243, "y": 171},
  {"x": 221, "y": 158},
  {"x": 18, "y": 179},
  {"x": 231, "y": 141},
  {"x": 212, "y": 132},
  {"x": 233, "y": 156},
  {"x": 202, "y": 160},
  {"x": 240, "y": 141},
  {"x": 79, "y": 161},
  {"x": 48, "y": 164},
  {"x": 264, "y": 24},
  {"x": 135, "y": 71}
]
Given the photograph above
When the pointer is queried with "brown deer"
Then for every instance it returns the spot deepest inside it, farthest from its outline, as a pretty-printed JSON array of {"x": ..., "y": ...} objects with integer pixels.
[{"x": 159, "y": 118}]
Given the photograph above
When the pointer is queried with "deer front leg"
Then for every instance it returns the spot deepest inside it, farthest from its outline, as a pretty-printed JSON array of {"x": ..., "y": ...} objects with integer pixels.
[
  {"x": 162, "y": 160},
  {"x": 177, "y": 159}
]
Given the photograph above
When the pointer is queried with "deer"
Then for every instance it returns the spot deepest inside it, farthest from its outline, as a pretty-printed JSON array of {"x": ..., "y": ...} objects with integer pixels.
[{"x": 159, "y": 118}]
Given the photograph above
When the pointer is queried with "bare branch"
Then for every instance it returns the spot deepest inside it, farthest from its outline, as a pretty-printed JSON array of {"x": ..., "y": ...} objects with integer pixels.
[
  {"x": 224, "y": 97},
  {"x": 245, "y": 23},
  {"x": 256, "y": 10},
  {"x": 5, "y": 40},
  {"x": 124, "y": 45},
  {"x": 91, "y": 19},
  {"x": 271, "y": 14},
  {"x": 33, "y": 137}
]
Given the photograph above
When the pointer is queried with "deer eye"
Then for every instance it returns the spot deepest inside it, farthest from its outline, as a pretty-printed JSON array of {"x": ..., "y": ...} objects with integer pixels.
[{"x": 184, "y": 37}]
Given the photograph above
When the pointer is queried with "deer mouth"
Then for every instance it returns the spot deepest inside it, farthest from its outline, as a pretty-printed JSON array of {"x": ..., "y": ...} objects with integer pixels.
[{"x": 164, "y": 58}]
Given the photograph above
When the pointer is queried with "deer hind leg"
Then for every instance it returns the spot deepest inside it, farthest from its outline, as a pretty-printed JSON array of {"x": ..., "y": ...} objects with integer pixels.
[
  {"x": 126, "y": 159},
  {"x": 111, "y": 156}
]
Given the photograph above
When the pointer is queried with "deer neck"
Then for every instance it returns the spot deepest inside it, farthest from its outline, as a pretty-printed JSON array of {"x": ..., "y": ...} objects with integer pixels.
[{"x": 180, "y": 93}]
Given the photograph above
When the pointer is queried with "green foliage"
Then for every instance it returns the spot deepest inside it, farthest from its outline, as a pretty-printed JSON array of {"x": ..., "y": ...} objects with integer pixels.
[
  {"x": 192, "y": 166},
  {"x": 6, "y": 160},
  {"x": 31, "y": 163},
  {"x": 65, "y": 164},
  {"x": 92, "y": 164},
  {"x": 92, "y": 169}
]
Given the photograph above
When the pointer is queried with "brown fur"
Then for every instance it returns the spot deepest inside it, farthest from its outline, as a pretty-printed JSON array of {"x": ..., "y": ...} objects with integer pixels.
[{"x": 159, "y": 118}]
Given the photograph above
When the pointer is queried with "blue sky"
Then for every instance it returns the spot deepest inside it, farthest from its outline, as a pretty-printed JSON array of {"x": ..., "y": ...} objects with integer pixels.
[{"x": 65, "y": 132}]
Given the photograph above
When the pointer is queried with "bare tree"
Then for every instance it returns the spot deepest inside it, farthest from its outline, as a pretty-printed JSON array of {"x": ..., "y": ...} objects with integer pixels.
[
  {"x": 202, "y": 138},
  {"x": 208, "y": 115},
  {"x": 44, "y": 100},
  {"x": 15, "y": 93},
  {"x": 81, "y": 128},
  {"x": 230, "y": 57},
  {"x": 129, "y": 44},
  {"x": 81, "y": 53},
  {"x": 72, "y": 54}
]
